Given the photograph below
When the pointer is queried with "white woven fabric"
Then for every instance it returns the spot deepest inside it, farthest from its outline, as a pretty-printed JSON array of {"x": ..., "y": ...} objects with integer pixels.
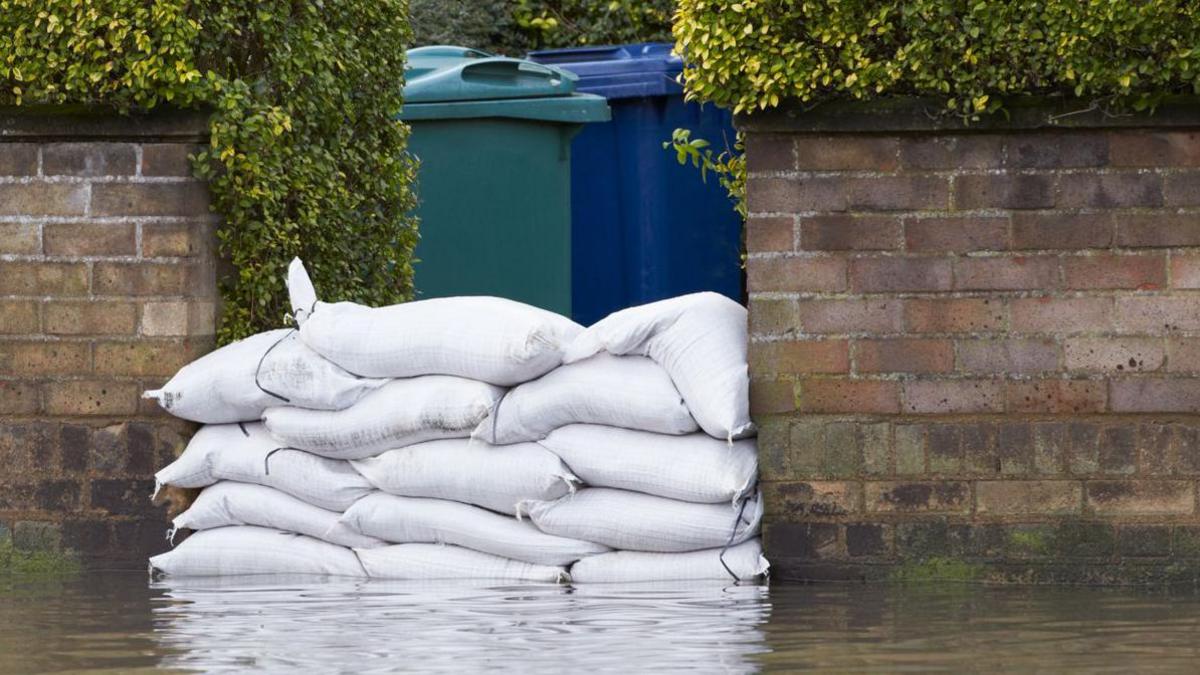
[
  {"x": 744, "y": 562},
  {"x": 701, "y": 341},
  {"x": 435, "y": 561},
  {"x": 472, "y": 472},
  {"x": 400, "y": 413},
  {"x": 630, "y": 391},
  {"x": 245, "y": 549},
  {"x": 693, "y": 467}
]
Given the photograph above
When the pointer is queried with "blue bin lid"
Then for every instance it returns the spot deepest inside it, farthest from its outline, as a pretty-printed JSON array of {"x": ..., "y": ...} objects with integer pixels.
[{"x": 620, "y": 71}]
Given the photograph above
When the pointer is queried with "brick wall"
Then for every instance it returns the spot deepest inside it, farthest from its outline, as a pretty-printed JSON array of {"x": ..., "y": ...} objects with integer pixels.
[
  {"x": 977, "y": 352},
  {"x": 107, "y": 286}
]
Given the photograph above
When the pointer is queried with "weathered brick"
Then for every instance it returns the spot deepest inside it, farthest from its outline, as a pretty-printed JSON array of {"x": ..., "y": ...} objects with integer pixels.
[
  {"x": 1186, "y": 445},
  {"x": 58, "y": 495},
  {"x": 898, "y": 193},
  {"x": 118, "y": 278},
  {"x": 922, "y": 497},
  {"x": 90, "y": 317},
  {"x": 121, "y": 496},
  {"x": 910, "y": 449},
  {"x": 1155, "y": 395},
  {"x": 91, "y": 397},
  {"x": 881, "y": 315},
  {"x": 175, "y": 240},
  {"x": 957, "y": 234},
  {"x": 1062, "y": 231},
  {"x": 1007, "y": 356},
  {"x": 893, "y": 274},
  {"x": 80, "y": 239},
  {"x": 811, "y": 499},
  {"x": 772, "y": 396},
  {"x": 86, "y": 536},
  {"x": 904, "y": 356},
  {"x": 769, "y": 233},
  {"x": 1083, "y": 448},
  {"x": 845, "y": 396},
  {"x": 945, "y": 449},
  {"x": 1182, "y": 189},
  {"x": 161, "y": 319},
  {"x": 1057, "y": 149},
  {"x": 1049, "y": 447},
  {"x": 1114, "y": 354},
  {"x": 1143, "y": 272},
  {"x": 1029, "y": 497},
  {"x": 149, "y": 199},
  {"x": 953, "y": 396},
  {"x": 142, "y": 357},
  {"x": 1157, "y": 315},
  {"x": 1015, "y": 448},
  {"x": 1055, "y": 396},
  {"x": 1004, "y": 191},
  {"x": 1154, "y": 149},
  {"x": 43, "y": 199},
  {"x": 1183, "y": 355},
  {"x": 74, "y": 447},
  {"x": 18, "y": 159},
  {"x": 974, "y": 151},
  {"x": 1156, "y": 451},
  {"x": 1140, "y": 497},
  {"x": 21, "y": 238},
  {"x": 1006, "y": 273},
  {"x": 44, "y": 358},
  {"x": 836, "y": 232},
  {"x": 1185, "y": 271},
  {"x": 89, "y": 159},
  {"x": 1157, "y": 230},
  {"x": 799, "y": 356},
  {"x": 34, "y": 535},
  {"x": 1118, "y": 450},
  {"x": 796, "y": 274},
  {"x": 19, "y": 398},
  {"x": 809, "y": 541},
  {"x": 867, "y": 540},
  {"x": 19, "y": 317},
  {"x": 1144, "y": 541},
  {"x": 768, "y": 316},
  {"x": 1060, "y": 315},
  {"x": 954, "y": 315},
  {"x": 846, "y": 153},
  {"x": 1109, "y": 190},
  {"x": 43, "y": 278},
  {"x": 979, "y": 448},
  {"x": 167, "y": 159},
  {"x": 875, "y": 441},
  {"x": 792, "y": 195}
]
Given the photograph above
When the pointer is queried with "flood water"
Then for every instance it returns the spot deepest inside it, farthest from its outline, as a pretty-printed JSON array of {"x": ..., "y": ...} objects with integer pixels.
[{"x": 121, "y": 622}]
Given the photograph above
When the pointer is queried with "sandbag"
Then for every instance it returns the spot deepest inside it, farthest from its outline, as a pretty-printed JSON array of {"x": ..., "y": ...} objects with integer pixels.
[
  {"x": 228, "y": 503},
  {"x": 700, "y": 339},
  {"x": 416, "y": 520},
  {"x": 435, "y": 561},
  {"x": 237, "y": 382},
  {"x": 631, "y": 392},
  {"x": 693, "y": 467},
  {"x": 473, "y": 472},
  {"x": 246, "y": 453},
  {"x": 400, "y": 413},
  {"x": 744, "y": 562},
  {"x": 245, "y": 549},
  {"x": 494, "y": 340},
  {"x": 638, "y": 522}
]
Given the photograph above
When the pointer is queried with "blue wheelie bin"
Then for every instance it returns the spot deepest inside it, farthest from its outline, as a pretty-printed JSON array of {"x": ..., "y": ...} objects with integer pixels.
[{"x": 644, "y": 227}]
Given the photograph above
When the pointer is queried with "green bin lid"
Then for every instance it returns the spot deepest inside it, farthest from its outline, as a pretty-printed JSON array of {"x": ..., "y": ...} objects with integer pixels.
[{"x": 444, "y": 82}]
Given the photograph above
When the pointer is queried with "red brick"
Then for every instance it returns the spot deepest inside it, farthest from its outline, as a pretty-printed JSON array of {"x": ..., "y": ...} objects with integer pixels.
[
  {"x": 1157, "y": 230},
  {"x": 80, "y": 239},
  {"x": 19, "y": 317},
  {"x": 1185, "y": 271},
  {"x": 1182, "y": 189},
  {"x": 44, "y": 358},
  {"x": 1114, "y": 354},
  {"x": 89, "y": 159},
  {"x": 1141, "y": 497},
  {"x": 1183, "y": 355},
  {"x": 956, "y": 234},
  {"x": 1028, "y": 497},
  {"x": 846, "y": 153},
  {"x": 848, "y": 396},
  {"x": 1003, "y": 191},
  {"x": 1155, "y": 315},
  {"x": 1060, "y": 315},
  {"x": 1154, "y": 395},
  {"x": 904, "y": 356},
  {"x": 772, "y": 316},
  {"x": 1007, "y": 356},
  {"x": 167, "y": 159},
  {"x": 800, "y": 356},
  {"x": 954, "y": 315},
  {"x": 91, "y": 397},
  {"x": 1116, "y": 271},
  {"x": 875, "y": 275},
  {"x": 1154, "y": 149},
  {"x": 953, "y": 396},
  {"x": 796, "y": 274},
  {"x": 850, "y": 316},
  {"x": 1056, "y": 396},
  {"x": 1062, "y": 231},
  {"x": 843, "y": 232},
  {"x": 772, "y": 396},
  {"x": 974, "y": 151},
  {"x": 18, "y": 159},
  {"x": 1109, "y": 190},
  {"x": 89, "y": 317},
  {"x": 899, "y": 193},
  {"x": 1006, "y": 273},
  {"x": 769, "y": 233},
  {"x": 794, "y": 195},
  {"x": 20, "y": 237},
  {"x": 43, "y": 199}
]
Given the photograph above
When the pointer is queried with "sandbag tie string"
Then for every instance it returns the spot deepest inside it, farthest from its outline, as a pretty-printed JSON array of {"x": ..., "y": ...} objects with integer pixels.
[
  {"x": 733, "y": 535},
  {"x": 496, "y": 414},
  {"x": 258, "y": 368},
  {"x": 267, "y": 459}
]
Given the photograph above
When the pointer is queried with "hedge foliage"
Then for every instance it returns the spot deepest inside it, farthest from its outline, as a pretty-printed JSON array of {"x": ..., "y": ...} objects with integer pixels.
[
  {"x": 753, "y": 54},
  {"x": 305, "y": 157}
]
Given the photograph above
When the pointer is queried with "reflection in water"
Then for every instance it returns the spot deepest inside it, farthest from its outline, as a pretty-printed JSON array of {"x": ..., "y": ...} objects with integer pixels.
[{"x": 121, "y": 623}]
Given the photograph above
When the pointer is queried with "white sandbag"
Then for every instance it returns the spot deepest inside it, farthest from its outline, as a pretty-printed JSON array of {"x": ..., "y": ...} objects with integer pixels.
[
  {"x": 692, "y": 467},
  {"x": 638, "y": 522},
  {"x": 473, "y": 472},
  {"x": 417, "y": 520},
  {"x": 400, "y": 413},
  {"x": 701, "y": 341},
  {"x": 434, "y": 561},
  {"x": 246, "y": 453},
  {"x": 237, "y": 382},
  {"x": 630, "y": 391},
  {"x": 245, "y": 549},
  {"x": 228, "y": 503},
  {"x": 495, "y": 340},
  {"x": 744, "y": 562}
]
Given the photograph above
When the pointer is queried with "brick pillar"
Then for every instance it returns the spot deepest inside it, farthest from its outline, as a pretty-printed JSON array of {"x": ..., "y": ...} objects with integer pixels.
[
  {"x": 107, "y": 286},
  {"x": 976, "y": 352}
]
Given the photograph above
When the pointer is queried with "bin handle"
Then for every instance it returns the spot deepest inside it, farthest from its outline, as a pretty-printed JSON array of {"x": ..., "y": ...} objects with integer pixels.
[{"x": 492, "y": 68}]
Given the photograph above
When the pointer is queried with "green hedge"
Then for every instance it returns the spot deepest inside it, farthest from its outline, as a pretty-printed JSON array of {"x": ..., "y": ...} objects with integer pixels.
[
  {"x": 753, "y": 54},
  {"x": 305, "y": 157}
]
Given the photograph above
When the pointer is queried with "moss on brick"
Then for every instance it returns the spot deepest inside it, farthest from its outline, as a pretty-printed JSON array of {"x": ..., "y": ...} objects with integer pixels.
[
  {"x": 938, "y": 569},
  {"x": 48, "y": 563}
]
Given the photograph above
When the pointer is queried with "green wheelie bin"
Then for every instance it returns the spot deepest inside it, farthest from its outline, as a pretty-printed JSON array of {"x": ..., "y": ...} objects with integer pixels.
[{"x": 493, "y": 136}]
